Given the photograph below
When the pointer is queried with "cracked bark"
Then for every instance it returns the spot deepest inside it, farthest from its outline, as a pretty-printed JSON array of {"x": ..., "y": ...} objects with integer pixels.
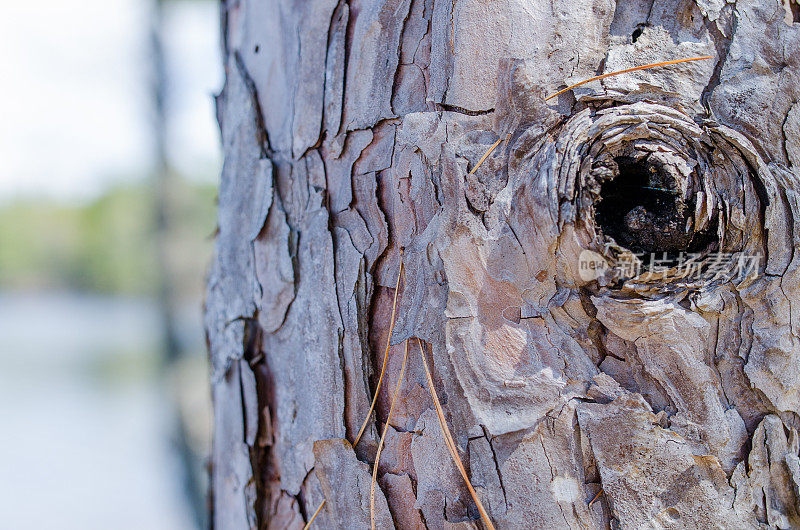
[{"x": 349, "y": 128}]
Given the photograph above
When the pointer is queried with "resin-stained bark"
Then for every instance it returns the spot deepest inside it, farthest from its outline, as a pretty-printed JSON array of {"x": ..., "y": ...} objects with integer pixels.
[{"x": 616, "y": 396}]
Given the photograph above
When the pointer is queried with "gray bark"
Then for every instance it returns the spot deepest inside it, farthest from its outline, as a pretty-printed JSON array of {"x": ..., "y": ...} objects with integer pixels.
[{"x": 349, "y": 128}]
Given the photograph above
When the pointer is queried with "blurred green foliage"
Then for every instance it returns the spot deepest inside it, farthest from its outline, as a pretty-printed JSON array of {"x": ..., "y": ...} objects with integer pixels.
[{"x": 109, "y": 244}]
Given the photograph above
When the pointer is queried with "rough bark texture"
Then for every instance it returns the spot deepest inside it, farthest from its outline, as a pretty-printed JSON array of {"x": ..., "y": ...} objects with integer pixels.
[{"x": 349, "y": 127}]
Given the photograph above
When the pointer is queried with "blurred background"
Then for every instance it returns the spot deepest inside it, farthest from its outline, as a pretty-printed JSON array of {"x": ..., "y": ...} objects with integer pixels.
[{"x": 109, "y": 159}]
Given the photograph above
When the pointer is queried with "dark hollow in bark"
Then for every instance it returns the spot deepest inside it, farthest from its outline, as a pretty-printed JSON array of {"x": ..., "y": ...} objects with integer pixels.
[{"x": 642, "y": 208}]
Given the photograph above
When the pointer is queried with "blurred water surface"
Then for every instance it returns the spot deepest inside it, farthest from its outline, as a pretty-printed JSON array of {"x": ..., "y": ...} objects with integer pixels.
[
  {"x": 86, "y": 427},
  {"x": 109, "y": 159}
]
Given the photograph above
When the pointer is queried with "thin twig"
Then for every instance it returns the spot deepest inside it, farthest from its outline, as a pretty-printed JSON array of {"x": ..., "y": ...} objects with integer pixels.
[
  {"x": 626, "y": 70},
  {"x": 308, "y": 524},
  {"x": 485, "y": 156},
  {"x": 383, "y": 437},
  {"x": 451, "y": 445},
  {"x": 385, "y": 356},
  {"x": 595, "y": 497},
  {"x": 400, "y": 274}
]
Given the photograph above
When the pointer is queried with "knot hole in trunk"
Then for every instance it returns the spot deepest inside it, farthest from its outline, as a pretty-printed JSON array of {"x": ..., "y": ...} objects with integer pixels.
[{"x": 646, "y": 209}]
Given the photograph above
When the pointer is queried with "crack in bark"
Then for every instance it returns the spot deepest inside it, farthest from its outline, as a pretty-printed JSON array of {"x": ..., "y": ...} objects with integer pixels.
[
  {"x": 723, "y": 46},
  {"x": 461, "y": 110},
  {"x": 496, "y": 464},
  {"x": 552, "y": 478},
  {"x": 263, "y": 138}
]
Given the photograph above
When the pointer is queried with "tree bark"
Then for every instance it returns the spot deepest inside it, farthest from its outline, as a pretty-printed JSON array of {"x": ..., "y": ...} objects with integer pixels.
[{"x": 592, "y": 375}]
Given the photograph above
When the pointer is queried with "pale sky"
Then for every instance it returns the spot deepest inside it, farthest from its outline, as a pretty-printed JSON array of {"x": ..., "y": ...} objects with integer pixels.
[{"x": 74, "y": 108}]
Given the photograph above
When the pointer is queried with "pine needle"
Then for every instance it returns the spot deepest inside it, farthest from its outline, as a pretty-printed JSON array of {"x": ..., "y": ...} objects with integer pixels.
[
  {"x": 385, "y": 356},
  {"x": 626, "y": 70},
  {"x": 448, "y": 438},
  {"x": 308, "y": 524},
  {"x": 383, "y": 437},
  {"x": 400, "y": 274},
  {"x": 485, "y": 156},
  {"x": 595, "y": 497}
]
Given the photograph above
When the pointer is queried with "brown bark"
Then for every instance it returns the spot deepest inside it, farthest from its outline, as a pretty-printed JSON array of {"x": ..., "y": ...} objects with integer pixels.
[{"x": 349, "y": 129}]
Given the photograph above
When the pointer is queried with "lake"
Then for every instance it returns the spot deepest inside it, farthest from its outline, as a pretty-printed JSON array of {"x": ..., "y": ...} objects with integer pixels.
[{"x": 85, "y": 439}]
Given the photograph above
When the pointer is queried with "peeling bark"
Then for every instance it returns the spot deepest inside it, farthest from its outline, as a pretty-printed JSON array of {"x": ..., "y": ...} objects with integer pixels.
[{"x": 569, "y": 369}]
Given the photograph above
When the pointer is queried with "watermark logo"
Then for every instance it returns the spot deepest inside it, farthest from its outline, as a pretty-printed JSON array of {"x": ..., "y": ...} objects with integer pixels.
[
  {"x": 591, "y": 265},
  {"x": 689, "y": 266}
]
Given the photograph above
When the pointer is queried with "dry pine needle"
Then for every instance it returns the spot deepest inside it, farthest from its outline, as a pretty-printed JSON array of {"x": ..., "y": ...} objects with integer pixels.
[{"x": 383, "y": 437}]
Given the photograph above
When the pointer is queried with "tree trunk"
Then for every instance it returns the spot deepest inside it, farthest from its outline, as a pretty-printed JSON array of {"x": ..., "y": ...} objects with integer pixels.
[{"x": 609, "y": 303}]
